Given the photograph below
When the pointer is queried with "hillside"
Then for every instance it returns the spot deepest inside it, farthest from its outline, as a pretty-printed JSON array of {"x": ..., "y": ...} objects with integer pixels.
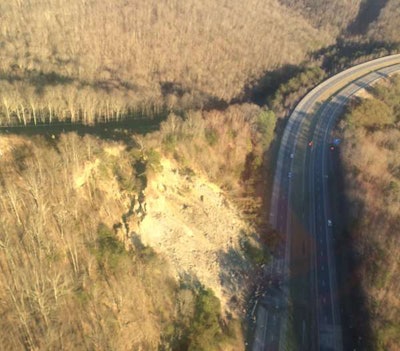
[
  {"x": 387, "y": 25},
  {"x": 131, "y": 244},
  {"x": 370, "y": 156},
  {"x": 330, "y": 15},
  {"x": 114, "y": 240},
  {"x": 88, "y": 60}
]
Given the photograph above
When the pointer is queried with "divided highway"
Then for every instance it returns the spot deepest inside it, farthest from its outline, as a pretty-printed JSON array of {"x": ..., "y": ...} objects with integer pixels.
[{"x": 299, "y": 309}]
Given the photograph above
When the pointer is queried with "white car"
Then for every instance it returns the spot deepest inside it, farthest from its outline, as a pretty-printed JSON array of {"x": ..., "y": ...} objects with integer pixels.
[
  {"x": 329, "y": 223},
  {"x": 289, "y": 175},
  {"x": 291, "y": 155}
]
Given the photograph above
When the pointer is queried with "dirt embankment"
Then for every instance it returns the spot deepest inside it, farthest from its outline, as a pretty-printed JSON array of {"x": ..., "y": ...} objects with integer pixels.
[{"x": 191, "y": 221}]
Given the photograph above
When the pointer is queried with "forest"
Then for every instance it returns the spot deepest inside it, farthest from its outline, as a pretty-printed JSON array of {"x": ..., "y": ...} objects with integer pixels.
[
  {"x": 93, "y": 61},
  {"x": 74, "y": 272},
  {"x": 372, "y": 166}
]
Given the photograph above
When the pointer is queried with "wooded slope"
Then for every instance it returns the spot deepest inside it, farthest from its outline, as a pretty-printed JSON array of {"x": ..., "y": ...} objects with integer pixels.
[
  {"x": 96, "y": 61},
  {"x": 372, "y": 164},
  {"x": 84, "y": 60},
  {"x": 333, "y": 15},
  {"x": 387, "y": 25}
]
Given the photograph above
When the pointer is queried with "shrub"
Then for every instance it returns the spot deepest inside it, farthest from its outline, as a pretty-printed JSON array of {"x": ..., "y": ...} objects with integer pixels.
[
  {"x": 258, "y": 255},
  {"x": 108, "y": 249},
  {"x": 169, "y": 142},
  {"x": 266, "y": 125},
  {"x": 153, "y": 160},
  {"x": 211, "y": 136},
  {"x": 290, "y": 92},
  {"x": 206, "y": 333},
  {"x": 370, "y": 113}
]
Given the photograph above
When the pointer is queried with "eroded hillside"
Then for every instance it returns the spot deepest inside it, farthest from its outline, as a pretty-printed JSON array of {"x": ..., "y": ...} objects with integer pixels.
[{"x": 128, "y": 245}]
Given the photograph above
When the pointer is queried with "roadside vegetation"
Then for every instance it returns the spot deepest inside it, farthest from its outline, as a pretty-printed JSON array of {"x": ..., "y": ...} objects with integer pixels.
[
  {"x": 372, "y": 165},
  {"x": 289, "y": 93},
  {"x": 228, "y": 146}
]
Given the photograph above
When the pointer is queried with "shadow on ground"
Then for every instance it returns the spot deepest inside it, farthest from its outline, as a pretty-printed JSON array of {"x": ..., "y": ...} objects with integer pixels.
[
  {"x": 111, "y": 131},
  {"x": 368, "y": 13}
]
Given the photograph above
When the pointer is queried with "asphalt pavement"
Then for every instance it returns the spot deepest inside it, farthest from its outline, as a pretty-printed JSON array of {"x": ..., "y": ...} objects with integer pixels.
[{"x": 301, "y": 198}]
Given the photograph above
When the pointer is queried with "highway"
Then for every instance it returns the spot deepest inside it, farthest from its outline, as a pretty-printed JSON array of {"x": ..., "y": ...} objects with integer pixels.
[{"x": 299, "y": 308}]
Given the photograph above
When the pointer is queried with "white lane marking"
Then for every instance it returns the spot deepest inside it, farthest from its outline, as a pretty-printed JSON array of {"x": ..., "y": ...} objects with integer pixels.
[{"x": 265, "y": 329}]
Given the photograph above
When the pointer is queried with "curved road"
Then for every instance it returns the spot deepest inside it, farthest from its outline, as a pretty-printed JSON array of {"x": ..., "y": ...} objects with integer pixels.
[{"x": 299, "y": 309}]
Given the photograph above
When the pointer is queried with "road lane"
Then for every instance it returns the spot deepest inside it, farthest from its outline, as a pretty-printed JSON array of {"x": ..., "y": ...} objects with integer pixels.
[
  {"x": 323, "y": 329},
  {"x": 330, "y": 334}
]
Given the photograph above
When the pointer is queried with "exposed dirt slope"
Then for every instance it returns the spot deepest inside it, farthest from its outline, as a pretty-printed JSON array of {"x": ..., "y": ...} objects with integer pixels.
[{"x": 191, "y": 221}]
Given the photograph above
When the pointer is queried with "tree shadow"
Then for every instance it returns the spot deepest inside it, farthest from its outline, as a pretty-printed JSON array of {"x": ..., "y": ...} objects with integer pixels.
[
  {"x": 233, "y": 276},
  {"x": 184, "y": 98},
  {"x": 41, "y": 80},
  {"x": 368, "y": 13},
  {"x": 38, "y": 79},
  {"x": 259, "y": 90},
  {"x": 354, "y": 313},
  {"x": 199, "y": 99},
  {"x": 110, "y": 132},
  {"x": 346, "y": 53},
  {"x": 356, "y": 317}
]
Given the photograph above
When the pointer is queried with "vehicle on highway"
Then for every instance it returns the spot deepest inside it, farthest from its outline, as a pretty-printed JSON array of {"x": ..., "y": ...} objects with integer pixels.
[
  {"x": 291, "y": 156},
  {"x": 322, "y": 329}
]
